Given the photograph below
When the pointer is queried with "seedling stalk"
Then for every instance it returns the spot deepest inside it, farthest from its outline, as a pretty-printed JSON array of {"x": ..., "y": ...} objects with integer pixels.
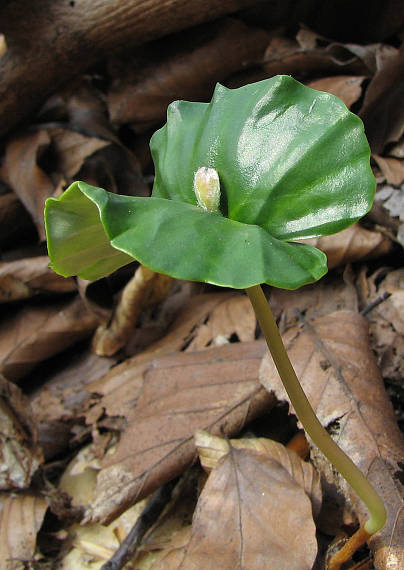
[{"x": 308, "y": 418}]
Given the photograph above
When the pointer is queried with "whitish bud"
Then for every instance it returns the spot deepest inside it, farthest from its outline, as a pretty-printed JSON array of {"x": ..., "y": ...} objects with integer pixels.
[{"x": 207, "y": 188}]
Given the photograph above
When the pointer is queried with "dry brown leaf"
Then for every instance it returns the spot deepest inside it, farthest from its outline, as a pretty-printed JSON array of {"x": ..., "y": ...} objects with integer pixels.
[
  {"x": 21, "y": 517},
  {"x": 22, "y": 173},
  {"x": 251, "y": 514},
  {"x": 25, "y": 278},
  {"x": 337, "y": 369},
  {"x": 72, "y": 149},
  {"x": 383, "y": 110},
  {"x": 233, "y": 317},
  {"x": 353, "y": 244},
  {"x": 387, "y": 322},
  {"x": 163, "y": 402},
  {"x": 173, "y": 555},
  {"x": 36, "y": 333},
  {"x": 212, "y": 448},
  {"x": 141, "y": 95},
  {"x": 145, "y": 289},
  {"x": 347, "y": 87},
  {"x": 116, "y": 386},
  {"x": 19, "y": 451},
  {"x": 392, "y": 168},
  {"x": 287, "y": 56}
]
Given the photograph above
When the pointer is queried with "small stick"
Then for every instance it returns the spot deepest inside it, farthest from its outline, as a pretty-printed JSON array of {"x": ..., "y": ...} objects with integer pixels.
[
  {"x": 150, "y": 514},
  {"x": 375, "y": 303}
]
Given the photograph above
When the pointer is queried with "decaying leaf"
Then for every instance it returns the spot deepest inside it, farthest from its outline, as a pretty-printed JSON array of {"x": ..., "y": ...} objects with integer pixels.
[
  {"x": 232, "y": 318},
  {"x": 36, "y": 333},
  {"x": 353, "y": 244},
  {"x": 382, "y": 111},
  {"x": 141, "y": 92},
  {"x": 392, "y": 168},
  {"x": 392, "y": 201},
  {"x": 212, "y": 448},
  {"x": 22, "y": 173},
  {"x": 337, "y": 369},
  {"x": 251, "y": 514},
  {"x": 72, "y": 148},
  {"x": 163, "y": 402},
  {"x": 25, "y": 278},
  {"x": 21, "y": 517},
  {"x": 347, "y": 87},
  {"x": 19, "y": 452},
  {"x": 387, "y": 321},
  {"x": 145, "y": 289}
]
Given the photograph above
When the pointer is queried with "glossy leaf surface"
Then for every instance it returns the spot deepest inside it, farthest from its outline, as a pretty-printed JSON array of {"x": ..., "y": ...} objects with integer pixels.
[{"x": 292, "y": 163}]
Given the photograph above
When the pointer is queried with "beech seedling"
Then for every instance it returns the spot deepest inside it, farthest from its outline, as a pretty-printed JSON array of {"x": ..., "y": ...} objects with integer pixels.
[{"x": 238, "y": 182}]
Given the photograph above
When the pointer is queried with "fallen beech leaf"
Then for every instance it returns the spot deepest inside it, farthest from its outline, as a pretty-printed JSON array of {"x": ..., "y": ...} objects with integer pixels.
[
  {"x": 382, "y": 111},
  {"x": 118, "y": 386},
  {"x": 72, "y": 149},
  {"x": 173, "y": 555},
  {"x": 22, "y": 173},
  {"x": 387, "y": 323},
  {"x": 146, "y": 288},
  {"x": 19, "y": 451},
  {"x": 392, "y": 201},
  {"x": 251, "y": 514},
  {"x": 353, "y": 244},
  {"x": 392, "y": 168},
  {"x": 322, "y": 298},
  {"x": 141, "y": 95},
  {"x": 286, "y": 56},
  {"x": 234, "y": 316},
  {"x": 25, "y": 278},
  {"x": 347, "y": 87},
  {"x": 212, "y": 448},
  {"x": 36, "y": 333},
  {"x": 21, "y": 518},
  {"x": 163, "y": 403},
  {"x": 335, "y": 364}
]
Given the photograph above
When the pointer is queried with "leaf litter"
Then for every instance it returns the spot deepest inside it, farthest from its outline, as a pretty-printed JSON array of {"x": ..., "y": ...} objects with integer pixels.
[{"x": 97, "y": 128}]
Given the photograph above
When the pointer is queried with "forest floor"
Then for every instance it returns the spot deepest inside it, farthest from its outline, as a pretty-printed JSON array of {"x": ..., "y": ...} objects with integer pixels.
[{"x": 110, "y": 389}]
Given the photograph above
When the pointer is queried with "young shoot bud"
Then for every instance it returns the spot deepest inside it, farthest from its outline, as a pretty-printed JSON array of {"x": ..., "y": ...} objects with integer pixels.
[{"x": 207, "y": 188}]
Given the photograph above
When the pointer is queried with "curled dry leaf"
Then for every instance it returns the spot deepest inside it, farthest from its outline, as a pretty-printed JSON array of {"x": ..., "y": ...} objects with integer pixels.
[
  {"x": 251, "y": 514},
  {"x": 142, "y": 94},
  {"x": 22, "y": 173},
  {"x": 145, "y": 289},
  {"x": 167, "y": 399},
  {"x": 383, "y": 111},
  {"x": 337, "y": 369},
  {"x": 25, "y": 278},
  {"x": 353, "y": 244},
  {"x": 19, "y": 452},
  {"x": 21, "y": 517},
  {"x": 72, "y": 149},
  {"x": 347, "y": 87},
  {"x": 212, "y": 448},
  {"x": 36, "y": 333},
  {"x": 392, "y": 168}
]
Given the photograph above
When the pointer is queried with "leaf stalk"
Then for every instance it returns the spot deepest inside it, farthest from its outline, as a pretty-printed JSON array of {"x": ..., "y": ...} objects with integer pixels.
[{"x": 308, "y": 418}]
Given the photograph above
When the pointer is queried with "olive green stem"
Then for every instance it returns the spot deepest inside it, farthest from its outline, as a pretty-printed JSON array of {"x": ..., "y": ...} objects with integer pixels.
[{"x": 308, "y": 418}]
